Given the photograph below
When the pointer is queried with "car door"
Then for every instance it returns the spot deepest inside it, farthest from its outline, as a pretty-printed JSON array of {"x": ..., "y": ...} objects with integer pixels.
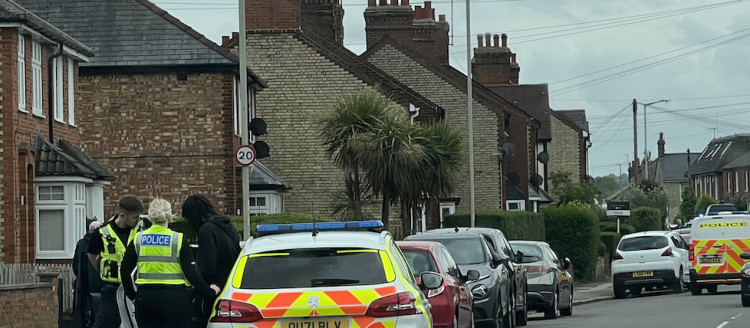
[
  {"x": 451, "y": 268},
  {"x": 563, "y": 277},
  {"x": 679, "y": 247}
]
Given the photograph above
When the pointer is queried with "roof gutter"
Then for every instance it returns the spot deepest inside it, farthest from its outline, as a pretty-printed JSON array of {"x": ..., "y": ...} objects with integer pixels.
[{"x": 51, "y": 84}]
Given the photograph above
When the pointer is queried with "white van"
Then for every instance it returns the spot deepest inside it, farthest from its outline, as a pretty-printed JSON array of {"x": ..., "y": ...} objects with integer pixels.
[{"x": 717, "y": 241}]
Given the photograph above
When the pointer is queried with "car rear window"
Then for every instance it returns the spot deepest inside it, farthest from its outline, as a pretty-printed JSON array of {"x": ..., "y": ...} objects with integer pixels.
[
  {"x": 465, "y": 251},
  {"x": 420, "y": 261},
  {"x": 643, "y": 243},
  {"x": 531, "y": 253},
  {"x": 317, "y": 267}
]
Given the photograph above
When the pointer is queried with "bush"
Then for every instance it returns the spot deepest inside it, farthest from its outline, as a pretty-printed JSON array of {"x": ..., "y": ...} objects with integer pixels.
[
  {"x": 515, "y": 225},
  {"x": 611, "y": 239},
  {"x": 602, "y": 249},
  {"x": 612, "y": 227},
  {"x": 645, "y": 219},
  {"x": 573, "y": 231}
]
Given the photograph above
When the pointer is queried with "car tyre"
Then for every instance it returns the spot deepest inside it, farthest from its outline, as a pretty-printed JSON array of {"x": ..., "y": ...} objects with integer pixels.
[
  {"x": 522, "y": 317},
  {"x": 743, "y": 294},
  {"x": 677, "y": 286},
  {"x": 509, "y": 319},
  {"x": 712, "y": 289},
  {"x": 695, "y": 289},
  {"x": 566, "y": 312},
  {"x": 553, "y": 311},
  {"x": 619, "y": 291}
]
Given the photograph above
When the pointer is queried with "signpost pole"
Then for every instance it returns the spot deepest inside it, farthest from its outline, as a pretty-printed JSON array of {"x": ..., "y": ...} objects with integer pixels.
[{"x": 244, "y": 118}]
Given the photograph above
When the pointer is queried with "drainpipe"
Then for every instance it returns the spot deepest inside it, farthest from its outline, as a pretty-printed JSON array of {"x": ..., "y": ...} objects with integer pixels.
[
  {"x": 415, "y": 113},
  {"x": 51, "y": 84}
]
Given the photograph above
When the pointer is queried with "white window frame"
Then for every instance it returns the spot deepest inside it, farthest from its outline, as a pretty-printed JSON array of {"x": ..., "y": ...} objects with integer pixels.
[
  {"x": 59, "y": 110},
  {"x": 729, "y": 181},
  {"x": 73, "y": 206},
  {"x": 71, "y": 93},
  {"x": 451, "y": 207},
  {"x": 520, "y": 203},
  {"x": 736, "y": 181},
  {"x": 36, "y": 77},
  {"x": 22, "y": 73},
  {"x": 747, "y": 183},
  {"x": 274, "y": 202}
]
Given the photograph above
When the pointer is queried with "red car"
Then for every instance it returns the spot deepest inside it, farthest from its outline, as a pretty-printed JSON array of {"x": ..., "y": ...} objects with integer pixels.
[{"x": 452, "y": 303}]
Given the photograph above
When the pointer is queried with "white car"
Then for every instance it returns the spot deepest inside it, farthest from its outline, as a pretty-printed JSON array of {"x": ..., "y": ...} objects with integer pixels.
[{"x": 651, "y": 259}]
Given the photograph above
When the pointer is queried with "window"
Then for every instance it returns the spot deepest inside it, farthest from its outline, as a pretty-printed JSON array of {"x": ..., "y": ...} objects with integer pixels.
[
  {"x": 516, "y": 205},
  {"x": 36, "y": 79},
  {"x": 445, "y": 210},
  {"x": 60, "y": 216},
  {"x": 51, "y": 193},
  {"x": 421, "y": 261},
  {"x": 71, "y": 93},
  {"x": 51, "y": 230},
  {"x": 58, "y": 96},
  {"x": 21, "y": 73}
]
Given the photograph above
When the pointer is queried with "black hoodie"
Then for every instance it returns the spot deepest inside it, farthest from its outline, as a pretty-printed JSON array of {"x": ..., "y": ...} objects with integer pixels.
[{"x": 218, "y": 249}]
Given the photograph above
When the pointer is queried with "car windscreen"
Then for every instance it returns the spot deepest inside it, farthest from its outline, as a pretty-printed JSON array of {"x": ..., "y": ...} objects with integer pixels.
[
  {"x": 420, "y": 261},
  {"x": 316, "y": 267},
  {"x": 531, "y": 253},
  {"x": 643, "y": 243},
  {"x": 465, "y": 250}
]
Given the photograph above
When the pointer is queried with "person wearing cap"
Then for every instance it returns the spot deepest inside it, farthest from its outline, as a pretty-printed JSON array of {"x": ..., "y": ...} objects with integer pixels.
[{"x": 166, "y": 273}]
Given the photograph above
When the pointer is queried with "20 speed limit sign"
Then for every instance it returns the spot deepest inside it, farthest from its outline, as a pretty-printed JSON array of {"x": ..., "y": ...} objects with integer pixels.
[{"x": 245, "y": 155}]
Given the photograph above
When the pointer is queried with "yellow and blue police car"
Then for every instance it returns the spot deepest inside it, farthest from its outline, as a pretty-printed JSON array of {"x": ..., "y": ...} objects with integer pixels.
[{"x": 323, "y": 275}]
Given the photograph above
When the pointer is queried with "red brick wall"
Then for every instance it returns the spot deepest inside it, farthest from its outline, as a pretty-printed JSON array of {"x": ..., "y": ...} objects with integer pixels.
[
  {"x": 28, "y": 306},
  {"x": 19, "y": 131},
  {"x": 272, "y": 14},
  {"x": 161, "y": 136}
]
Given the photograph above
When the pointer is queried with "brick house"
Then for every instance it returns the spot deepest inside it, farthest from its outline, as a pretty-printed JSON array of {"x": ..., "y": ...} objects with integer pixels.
[
  {"x": 159, "y": 103},
  {"x": 720, "y": 169},
  {"x": 670, "y": 172},
  {"x": 49, "y": 187},
  {"x": 297, "y": 47},
  {"x": 737, "y": 172},
  {"x": 571, "y": 140},
  {"x": 411, "y": 45}
]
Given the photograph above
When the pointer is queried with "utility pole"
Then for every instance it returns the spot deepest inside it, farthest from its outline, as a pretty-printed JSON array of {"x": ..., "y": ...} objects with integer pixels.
[
  {"x": 470, "y": 110},
  {"x": 635, "y": 142},
  {"x": 243, "y": 117},
  {"x": 645, "y": 137}
]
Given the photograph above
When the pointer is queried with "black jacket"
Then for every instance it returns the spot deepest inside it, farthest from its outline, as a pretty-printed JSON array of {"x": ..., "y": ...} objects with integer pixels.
[{"x": 218, "y": 249}]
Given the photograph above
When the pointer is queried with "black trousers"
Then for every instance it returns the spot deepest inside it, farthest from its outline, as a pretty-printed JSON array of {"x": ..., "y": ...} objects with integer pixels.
[
  {"x": 163, "y": 306},
  {"x": 107, "y": 314}
]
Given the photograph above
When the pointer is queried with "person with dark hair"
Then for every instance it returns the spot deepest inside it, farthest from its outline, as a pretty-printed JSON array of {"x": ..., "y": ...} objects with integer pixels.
[
  {"x": 218, "y": 248},
  {"x": 87, "y": 280},
  {"x": 105, "y": 252}
]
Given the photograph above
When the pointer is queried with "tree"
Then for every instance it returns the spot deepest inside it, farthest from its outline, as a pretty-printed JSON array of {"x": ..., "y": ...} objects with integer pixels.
[
  {"x": 687, "y": 207},
  {"x": 646, "y": 197},
  {"x": 702, "y": 204},
  {"x": 566, "y": 191},
  {"x": 607, "y": 185}
]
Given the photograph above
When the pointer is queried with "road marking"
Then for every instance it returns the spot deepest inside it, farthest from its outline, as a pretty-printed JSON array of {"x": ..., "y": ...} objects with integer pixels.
[
  {"x": 723, "y": 324},
  {"x": 737, "y": 316}
]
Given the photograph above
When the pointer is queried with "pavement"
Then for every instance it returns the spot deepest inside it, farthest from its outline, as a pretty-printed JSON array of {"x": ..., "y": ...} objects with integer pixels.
[{"x": 594, "y": 291}]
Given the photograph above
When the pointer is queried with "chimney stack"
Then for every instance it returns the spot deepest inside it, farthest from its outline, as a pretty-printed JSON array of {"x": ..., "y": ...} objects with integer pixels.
[
  {"x": 660, "y": 144},
  {"x": 324, "y": 17},
  {"x": 265, "y": 15},
  {"x": 492, "y": 64},
  {"x": 515, "y": 70},
  {"x": 505, "y": 40}
]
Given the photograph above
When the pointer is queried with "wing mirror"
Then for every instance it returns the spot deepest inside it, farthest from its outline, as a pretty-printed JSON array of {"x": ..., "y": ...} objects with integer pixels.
[
  {"x": 519, "y": 257},
  {"x": 430, "y": 280},
  {"x": 745, "y": 256},
  {"x": 566, "y": 263},
  {"x": 471, "y": 275}
]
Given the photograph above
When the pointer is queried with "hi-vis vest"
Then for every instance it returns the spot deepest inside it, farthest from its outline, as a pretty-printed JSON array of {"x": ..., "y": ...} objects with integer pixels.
[
  {"x": 158, "y": 251},
  {"x": 111, "y": 256}
]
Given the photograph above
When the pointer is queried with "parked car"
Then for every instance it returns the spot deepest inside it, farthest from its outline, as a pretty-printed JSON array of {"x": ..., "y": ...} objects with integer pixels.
[
  {"x": 714, "y": 209},
  {"x": 745, "y": 291},
  {"x": 717, "y": 242},
  {"x": 651, "y": 259},
  {"x": 550, "y": 285},
  {"x": 493, "y": 300},
  {"x": 451, "y": 304},
  {"x": 498, "y": 243}
]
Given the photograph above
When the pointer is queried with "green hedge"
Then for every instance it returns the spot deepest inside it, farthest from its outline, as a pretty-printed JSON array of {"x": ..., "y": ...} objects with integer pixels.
[
  {"x": 646, "y": 219},
  {"x": 610, "y": 239},
  {"x": 180, "y": 225},
  {"x": 515, "y": 225},
  {"x": 612, "y": 227},
  {"x": 573, "y": 232}
]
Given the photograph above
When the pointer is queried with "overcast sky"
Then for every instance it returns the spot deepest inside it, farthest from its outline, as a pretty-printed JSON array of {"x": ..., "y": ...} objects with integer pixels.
[{"x": 595, "y": 55}]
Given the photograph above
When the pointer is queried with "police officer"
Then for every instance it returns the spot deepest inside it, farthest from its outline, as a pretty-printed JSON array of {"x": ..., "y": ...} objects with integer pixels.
[
  {"x": 165, "y": 273},
  {"x": 105, "y": 253}
]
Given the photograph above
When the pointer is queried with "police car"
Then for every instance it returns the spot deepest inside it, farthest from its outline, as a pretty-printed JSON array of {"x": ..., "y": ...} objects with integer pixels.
[
  {"x": 323, "y": 275},
  {"x": 716, "y": 249}
]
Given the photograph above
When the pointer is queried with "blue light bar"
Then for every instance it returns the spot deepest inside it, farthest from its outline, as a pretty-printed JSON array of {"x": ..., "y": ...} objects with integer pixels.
[
  {"x": 725, "y": 212},
  {"x": 269, "y": 229}
]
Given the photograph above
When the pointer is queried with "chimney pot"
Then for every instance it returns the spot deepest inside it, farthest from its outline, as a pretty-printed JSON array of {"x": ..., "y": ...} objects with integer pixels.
[
  {"x": 235, "y": 35},
  {"x": 479, "y": 40},
  {"x": 496, "y": 39},
  {"x": 394, "y": 2},
  {"x": 418, "y": 12},
  {"x": 513, "y": 58},
  {"x": 404, "y": 2},
  {"x": 442, "y": 18},
  {"x": 487, "y": 39},
  {"x": 428, "y": 4},
  {"x": 432, "y": 14},
  {"x": 505, "y": 40},
  {"x": 224, "y": 40},
  {"x": 371, "y": 3}
]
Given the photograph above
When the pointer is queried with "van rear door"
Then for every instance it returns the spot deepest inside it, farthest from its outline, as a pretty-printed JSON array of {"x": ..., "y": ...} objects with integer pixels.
[{"x": 718, "y": 243}]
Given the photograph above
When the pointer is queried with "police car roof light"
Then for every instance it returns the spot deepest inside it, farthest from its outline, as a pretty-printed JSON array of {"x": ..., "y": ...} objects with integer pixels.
[
  {"x": 268, "y": 229},
  {"x": 728, "y": 212}
]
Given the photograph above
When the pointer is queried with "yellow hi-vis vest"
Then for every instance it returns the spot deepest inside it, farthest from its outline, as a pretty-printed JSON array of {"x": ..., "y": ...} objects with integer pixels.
[
  {"x": 158, "y": 251},
  {"x": 111, "y": 256}
]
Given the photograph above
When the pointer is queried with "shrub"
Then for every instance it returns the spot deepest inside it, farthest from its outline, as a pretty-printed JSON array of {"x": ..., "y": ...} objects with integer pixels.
[
  {"x": 573, "y": 231},
  {"x": 645, "y": 219},
  {"x": 602, "y": 249},
  {"x": 515, "y": 225},
  {"x": 612, "y": 227},
  {"x": 611, "y": 239}
]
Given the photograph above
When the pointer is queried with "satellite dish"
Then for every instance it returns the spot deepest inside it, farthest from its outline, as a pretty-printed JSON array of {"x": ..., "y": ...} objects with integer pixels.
[
  {"x": 536, "y": 180},
  {"x": 261, "y": 149},
  {"x": 543, "y": 157},
  {"x": 514, "y": 179},
  {"x": 508, "y": 148}
]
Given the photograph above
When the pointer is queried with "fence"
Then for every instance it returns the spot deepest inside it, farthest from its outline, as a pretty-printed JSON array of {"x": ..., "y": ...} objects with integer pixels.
[{"x": 28, "y": 273}]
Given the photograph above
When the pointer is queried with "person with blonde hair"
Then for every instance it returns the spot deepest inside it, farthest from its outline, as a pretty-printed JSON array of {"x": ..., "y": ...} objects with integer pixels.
[{"x": 165, "y": 273}]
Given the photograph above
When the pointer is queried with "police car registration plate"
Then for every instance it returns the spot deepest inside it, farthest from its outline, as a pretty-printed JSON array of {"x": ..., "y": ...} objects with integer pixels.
[
  {"x": 709, "y": 260},
  {"x": 315, "y": 323},
  {"x": 643, "y": 274}
]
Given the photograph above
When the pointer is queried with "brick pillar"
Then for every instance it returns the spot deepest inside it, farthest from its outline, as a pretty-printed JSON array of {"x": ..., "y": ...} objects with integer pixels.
[
  {"x": 492, "y": 62},
  {"x": 324, "y": 17}
]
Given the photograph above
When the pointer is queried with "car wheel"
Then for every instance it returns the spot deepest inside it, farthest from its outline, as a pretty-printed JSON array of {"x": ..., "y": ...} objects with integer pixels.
[
  {"x": 712, "y": 289},
  {"x": 635, "y": 291},
  {"x": 677, "y": 286},
  {"x": 553, "y": 311},
  {"x": 619, "y": 291},
  {"x": 509, "y": 319},
  {"x": 743, "y": 294},
  {"x": 522, "y": 317},
  {"x": 569, "y": 310},
  {"x": 695, "y": 289}
]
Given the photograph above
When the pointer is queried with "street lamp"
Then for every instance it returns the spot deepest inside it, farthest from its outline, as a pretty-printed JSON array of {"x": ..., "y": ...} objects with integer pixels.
[{"x": 645, "y": 136}]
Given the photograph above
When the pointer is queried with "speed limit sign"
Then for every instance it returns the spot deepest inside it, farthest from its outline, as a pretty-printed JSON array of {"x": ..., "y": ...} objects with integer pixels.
[{"x": 245, "y": 155}]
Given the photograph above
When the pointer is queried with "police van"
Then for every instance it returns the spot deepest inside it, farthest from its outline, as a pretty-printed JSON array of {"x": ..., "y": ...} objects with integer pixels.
[{"x": 718, "y": 241}]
